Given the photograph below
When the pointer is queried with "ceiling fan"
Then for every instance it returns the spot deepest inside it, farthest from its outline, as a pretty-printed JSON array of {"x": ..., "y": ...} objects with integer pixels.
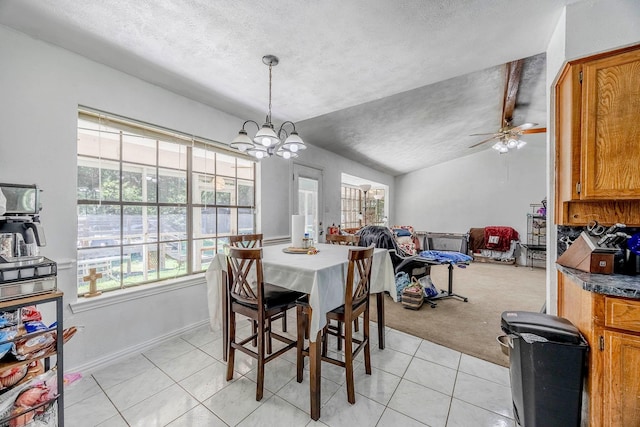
[{"x": 508, "y": 136}]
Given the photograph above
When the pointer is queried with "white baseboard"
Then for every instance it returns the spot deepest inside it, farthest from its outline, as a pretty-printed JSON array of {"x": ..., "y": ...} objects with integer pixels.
[
  {"x": 277, "y": 240},
  {"x": 109, "y": 359}
]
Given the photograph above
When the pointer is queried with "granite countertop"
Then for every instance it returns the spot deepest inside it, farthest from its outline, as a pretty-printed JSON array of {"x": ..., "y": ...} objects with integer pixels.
[{"x": 617, "y": 285}]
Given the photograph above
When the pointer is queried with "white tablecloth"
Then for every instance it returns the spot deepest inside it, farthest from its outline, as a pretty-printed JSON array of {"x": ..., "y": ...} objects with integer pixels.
[{"x": 322, "y": 276}]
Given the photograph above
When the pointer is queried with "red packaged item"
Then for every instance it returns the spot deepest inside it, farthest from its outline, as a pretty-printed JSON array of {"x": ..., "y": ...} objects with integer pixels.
[
  {"x": 31, "y": 313},
  {"x": 11, "y": 376}
]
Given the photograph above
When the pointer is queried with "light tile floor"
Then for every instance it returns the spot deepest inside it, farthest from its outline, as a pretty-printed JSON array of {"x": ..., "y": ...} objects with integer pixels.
[{"x": 182, "y": 383}]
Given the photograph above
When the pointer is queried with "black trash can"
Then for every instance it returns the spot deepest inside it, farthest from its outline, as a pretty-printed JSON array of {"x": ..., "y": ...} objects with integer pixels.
[{"x": 547, "y": 366}]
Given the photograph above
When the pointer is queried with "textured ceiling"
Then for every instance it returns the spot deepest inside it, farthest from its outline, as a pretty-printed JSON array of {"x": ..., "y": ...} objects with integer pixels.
[
  {"x": 397, "y": 85},
  {"x": 431, "y": 124}
]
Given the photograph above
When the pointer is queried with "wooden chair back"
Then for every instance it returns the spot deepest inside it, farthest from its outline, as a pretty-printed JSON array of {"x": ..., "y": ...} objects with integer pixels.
[
  {"x": 246, "y": 296},
  {"x": 246, "y": 240},
  {"x": 358, "y": 286},
  {"x": 343, "y": 239},
  {"x": 357, "y": 292},
  {"x": 244, "y": 266}
]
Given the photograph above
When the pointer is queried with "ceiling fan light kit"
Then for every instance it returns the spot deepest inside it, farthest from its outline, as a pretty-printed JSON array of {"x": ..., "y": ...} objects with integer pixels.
[
  {"x": 500, "y": 147},
  {"x": 267, "y": 141},
  {"x": 503, "y": 146},
  {"x": 508, "y": 137}
]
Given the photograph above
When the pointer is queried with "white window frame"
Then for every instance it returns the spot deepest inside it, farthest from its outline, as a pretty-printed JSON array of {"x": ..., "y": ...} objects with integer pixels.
[{"x": 188, "y": 239}]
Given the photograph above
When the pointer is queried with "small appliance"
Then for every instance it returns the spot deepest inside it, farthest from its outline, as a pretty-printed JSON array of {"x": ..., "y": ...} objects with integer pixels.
[{"x": 23, "y": 270}]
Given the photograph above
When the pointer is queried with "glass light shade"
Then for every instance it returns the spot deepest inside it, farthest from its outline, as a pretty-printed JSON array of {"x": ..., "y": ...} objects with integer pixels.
[
  {"x": 503, "y": 149},
  {"x": 242, "y": 142},
  {"x": 258, "y": 151},
  {"x": 294, "y": 143},
  {"x": 521, "y": 144},
  {"x": 512, "y": 143},
  {"x": 266, "y": 136},
  {"x": 497, "y": 146},
  {"x": 365, "y": 187},
  {"x": 285, "y": 154}
]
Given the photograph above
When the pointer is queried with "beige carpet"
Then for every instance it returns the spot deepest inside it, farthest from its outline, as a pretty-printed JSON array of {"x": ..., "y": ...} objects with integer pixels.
[{"x": 471, "y": 327}]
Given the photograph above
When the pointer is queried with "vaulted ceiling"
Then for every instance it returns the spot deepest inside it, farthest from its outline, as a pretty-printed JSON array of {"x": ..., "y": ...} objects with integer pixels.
[{"x": 396, "y": 85}]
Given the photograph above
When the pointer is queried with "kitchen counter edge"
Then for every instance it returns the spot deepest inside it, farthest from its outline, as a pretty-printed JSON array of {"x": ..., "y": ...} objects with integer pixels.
[{"x": 617, "y": 285}]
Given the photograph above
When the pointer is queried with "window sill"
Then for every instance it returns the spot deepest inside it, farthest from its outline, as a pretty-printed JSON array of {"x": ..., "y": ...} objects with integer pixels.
[{"x": 143, "y": 291}]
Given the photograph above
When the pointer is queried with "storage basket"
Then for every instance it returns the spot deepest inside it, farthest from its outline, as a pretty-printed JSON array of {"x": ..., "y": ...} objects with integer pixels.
[
  {"x": 27, "y": 270},
  {"x": 413, "y": 296},
  {"x": 22, "y": 278}
]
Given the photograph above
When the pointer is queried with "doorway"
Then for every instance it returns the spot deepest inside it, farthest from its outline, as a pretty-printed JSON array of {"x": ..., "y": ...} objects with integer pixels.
[{"x": 307, "y": 197}]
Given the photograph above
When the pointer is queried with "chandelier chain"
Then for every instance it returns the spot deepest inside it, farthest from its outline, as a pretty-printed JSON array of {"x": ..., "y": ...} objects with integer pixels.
[{"x": 269, "y": 118}]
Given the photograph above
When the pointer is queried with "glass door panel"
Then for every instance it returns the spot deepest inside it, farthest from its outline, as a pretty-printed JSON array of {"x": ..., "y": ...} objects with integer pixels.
[{"x": 307, "y": 198}]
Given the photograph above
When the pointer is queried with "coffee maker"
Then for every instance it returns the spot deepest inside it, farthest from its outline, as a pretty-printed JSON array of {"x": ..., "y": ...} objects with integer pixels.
[
  {"x": 22, "y": 269},
  {"x": 21, "y": 233}
]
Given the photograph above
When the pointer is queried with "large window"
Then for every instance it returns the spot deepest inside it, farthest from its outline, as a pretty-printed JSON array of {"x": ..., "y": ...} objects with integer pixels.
[
  {"x": 358, "y": 210},
  {"x": 350, "y": 202},
  {"x": 375, "y": 212},
  {"x": 154, "y": 204}
]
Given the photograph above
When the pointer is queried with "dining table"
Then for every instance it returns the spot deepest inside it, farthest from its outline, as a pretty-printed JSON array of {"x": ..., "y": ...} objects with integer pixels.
[{"x": 321, "y": 275}]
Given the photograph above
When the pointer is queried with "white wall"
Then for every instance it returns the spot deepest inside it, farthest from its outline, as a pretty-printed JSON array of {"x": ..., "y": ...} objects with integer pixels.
[
  {"x": 41, "y": 87},
  {"x": 276, "y": 225},
  {"x": 479, "y": 190},
  {"x": 595, "y": 26}
]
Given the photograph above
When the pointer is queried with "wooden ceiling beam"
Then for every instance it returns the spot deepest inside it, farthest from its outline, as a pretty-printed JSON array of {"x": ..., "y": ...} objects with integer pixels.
[{"x": 513, "y": 73}]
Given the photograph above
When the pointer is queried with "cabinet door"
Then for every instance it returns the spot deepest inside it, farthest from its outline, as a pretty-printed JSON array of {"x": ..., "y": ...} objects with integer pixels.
[
  {"x": 611, "y": 127},
  {"x": 622, "y": 400},
  {"x": 568, "y": 104}
]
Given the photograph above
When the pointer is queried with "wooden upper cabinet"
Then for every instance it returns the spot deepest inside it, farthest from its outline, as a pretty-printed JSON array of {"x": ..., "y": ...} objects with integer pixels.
[
  {"x": 597, "y": 135},
  {"x": 611, "y": 127}
]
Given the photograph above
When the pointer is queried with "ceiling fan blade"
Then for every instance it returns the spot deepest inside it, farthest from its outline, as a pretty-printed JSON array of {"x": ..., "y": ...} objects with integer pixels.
[
  {"x": 485, "y": 141},
  {"x": 522, "y": 127},
  {"x": 482, "y": 134},
  {"x": 536, "y": 130}
]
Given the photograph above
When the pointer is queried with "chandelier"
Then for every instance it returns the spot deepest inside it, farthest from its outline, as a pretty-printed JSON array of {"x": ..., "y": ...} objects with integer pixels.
[
  {"x": 508, "y": 143},
  {"x": 267, "y": 142}
]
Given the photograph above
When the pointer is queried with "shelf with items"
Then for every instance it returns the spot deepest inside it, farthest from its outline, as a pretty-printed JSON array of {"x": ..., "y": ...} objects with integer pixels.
[
  {"x": 536, "y": 243},
  {"x": 21, "y": 401}
]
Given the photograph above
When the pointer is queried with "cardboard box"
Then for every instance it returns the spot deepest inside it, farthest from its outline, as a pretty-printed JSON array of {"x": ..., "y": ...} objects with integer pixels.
[{"x": 585, "y": 254}]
